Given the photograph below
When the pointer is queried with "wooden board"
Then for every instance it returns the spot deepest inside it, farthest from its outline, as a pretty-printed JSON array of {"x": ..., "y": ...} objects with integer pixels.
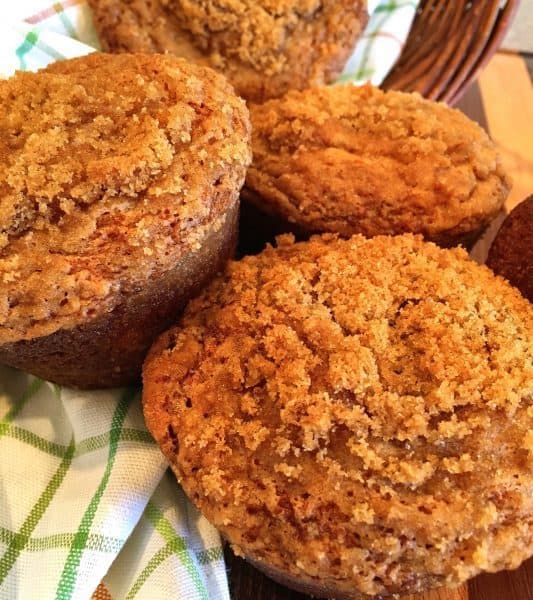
[{"x": 506, "y": 94}]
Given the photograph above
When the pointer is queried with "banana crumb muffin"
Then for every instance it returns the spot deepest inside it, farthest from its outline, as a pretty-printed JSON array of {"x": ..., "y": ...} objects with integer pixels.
[
  {"x": 265, "y": 47},
  {"x": 119, "y": 183},
  {"x": 511, "y": 253},
  {"x": 355, "y": 416},
  {"x": 352, "y": 160}
]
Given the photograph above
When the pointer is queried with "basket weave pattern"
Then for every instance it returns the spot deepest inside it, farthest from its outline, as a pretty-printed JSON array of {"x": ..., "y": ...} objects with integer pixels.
[{"x": 449, "y": 43}]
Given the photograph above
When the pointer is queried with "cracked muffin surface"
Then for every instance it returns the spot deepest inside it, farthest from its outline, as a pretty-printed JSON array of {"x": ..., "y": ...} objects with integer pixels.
[
  {"x": 358, "y": 160},
  {"x": 119, "y": 189},
  {"x": 354, "y": 414},
  {"x": 264, "y": 47}
]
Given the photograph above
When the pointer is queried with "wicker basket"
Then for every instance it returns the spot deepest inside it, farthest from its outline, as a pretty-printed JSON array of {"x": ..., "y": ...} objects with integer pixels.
[{"x": 450, "y": 41}]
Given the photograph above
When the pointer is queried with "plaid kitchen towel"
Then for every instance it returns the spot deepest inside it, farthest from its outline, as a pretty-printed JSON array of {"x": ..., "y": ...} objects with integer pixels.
[
  {"x": 79, "y": 475},
  {"x": 83, "y": 499},
  {"x": 26, "y": 48},
  {"x": 172, "y": 553},
  {"x": 382, "y": 41}
]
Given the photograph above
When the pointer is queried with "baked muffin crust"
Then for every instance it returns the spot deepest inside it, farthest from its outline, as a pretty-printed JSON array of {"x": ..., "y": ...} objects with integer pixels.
[
  {"x": 354, "y": 416},
  {"x": 358, "y": 160},
  {"x": 264, "y": 47},
  {"x": 113, "y": 169}
]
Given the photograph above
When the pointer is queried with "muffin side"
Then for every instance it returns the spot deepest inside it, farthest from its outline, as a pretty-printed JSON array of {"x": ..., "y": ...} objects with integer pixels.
[
  {"x": 358, "y": 160},
  {"x": 352, "y": 416},
  {"x": 108, "y": 351},
  {"x": 265, "y": 48}
]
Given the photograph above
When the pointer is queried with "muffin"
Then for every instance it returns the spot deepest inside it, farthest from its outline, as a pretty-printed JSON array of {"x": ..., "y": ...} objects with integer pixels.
[
  {"x": 265, "y": 47},
  {"x": 119, "y": 185},
  {"x": 354, "y": 415},
  {"x": 353, "y": 160},
  {"x": 511, "y": 253}
]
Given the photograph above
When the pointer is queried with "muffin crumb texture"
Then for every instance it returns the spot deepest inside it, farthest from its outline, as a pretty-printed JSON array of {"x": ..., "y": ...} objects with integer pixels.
[
  {"x": 352, "y": 160},
  {"x": 111, "y": 167},
  {"x": 264, "y": 47},
  {"x": 355, "y": 414},
  {"x": 258, "y": 30}
]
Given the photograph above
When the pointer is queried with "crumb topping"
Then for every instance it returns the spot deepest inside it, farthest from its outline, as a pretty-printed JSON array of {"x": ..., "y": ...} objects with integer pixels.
[
  {"x": 363, "y": 407},
  {"x": 255, "y": 33},
  {"x": 393, "y": 163},
  {"x": 264, "y": 47},
  {"x": 111, "y": 167}
]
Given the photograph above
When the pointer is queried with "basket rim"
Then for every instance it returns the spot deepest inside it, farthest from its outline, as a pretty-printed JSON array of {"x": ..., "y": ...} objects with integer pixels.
[{"x": 448, "y": 45}]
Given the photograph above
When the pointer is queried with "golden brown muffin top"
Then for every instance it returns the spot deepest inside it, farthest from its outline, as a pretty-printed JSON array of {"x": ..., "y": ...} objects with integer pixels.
[
  {"x": 111, "y": 168},
  {"x": 265, "y": 47},
  {"x": 358, "y": 160},
  {"x": 356, "y": 413}
]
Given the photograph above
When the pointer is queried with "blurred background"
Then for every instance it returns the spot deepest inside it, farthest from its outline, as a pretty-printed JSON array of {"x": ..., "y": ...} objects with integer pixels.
[{"x": 520, "y": 36}]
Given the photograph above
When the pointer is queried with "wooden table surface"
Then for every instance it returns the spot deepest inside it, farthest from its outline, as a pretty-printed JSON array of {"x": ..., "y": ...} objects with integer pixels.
[{"x": 502, "y": 102}]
